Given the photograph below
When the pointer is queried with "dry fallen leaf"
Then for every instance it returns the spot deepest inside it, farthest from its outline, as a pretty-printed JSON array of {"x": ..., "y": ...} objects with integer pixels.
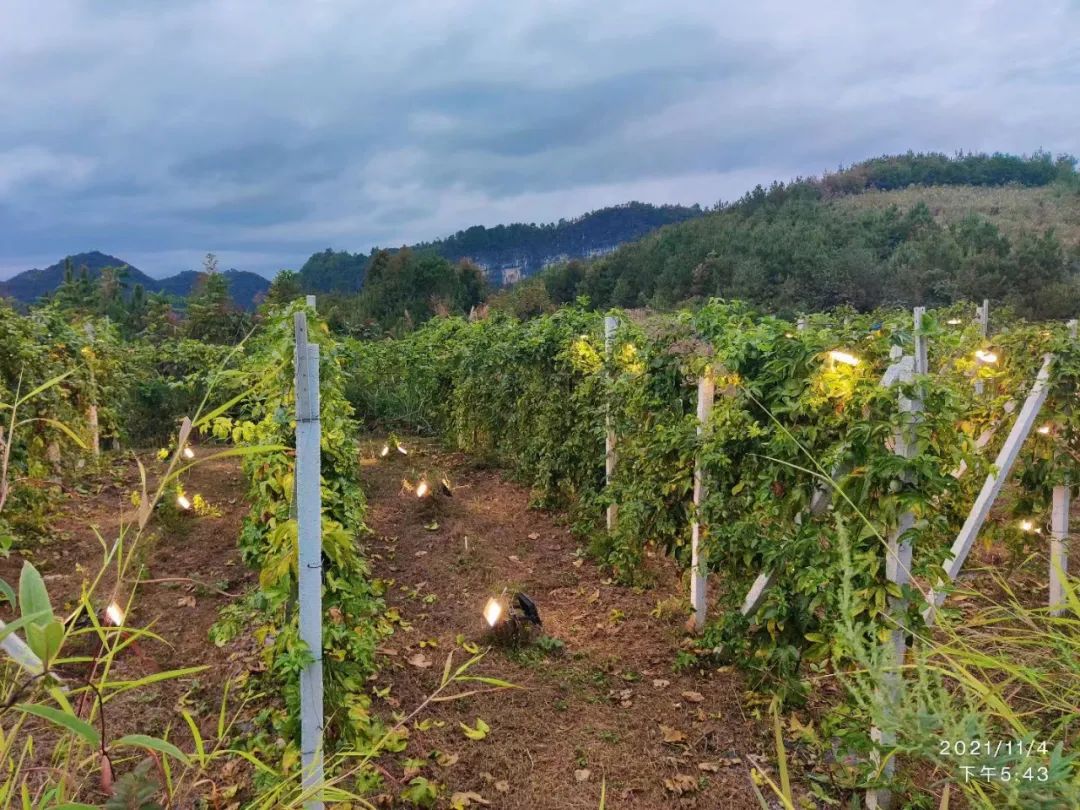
[
  {"x": 711, "y": 767},
  {"x": 578, "y": 563},
  {"x": 502, "y": 786},
  {"x": 534, "y": 536},
  {"x": 420, "y": 660},
  {"x": 694, "y": 697},
  {"x": 445, "y": 759},
  {"x": 582, "y": 774},
  {"x": 681, "y": 783},
  {"x": 660, "y": 683},
  {"x": 468, "y": 799},
  {"x": 186, "y": 601},
  {"x": 672, "y": 735},
  {"x": 594, "y": 596}
]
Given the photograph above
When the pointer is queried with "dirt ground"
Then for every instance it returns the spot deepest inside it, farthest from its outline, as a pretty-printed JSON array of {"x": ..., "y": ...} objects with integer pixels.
[
  {"x": 198, "y": 561},
  {"x": 605, "y": 707}
]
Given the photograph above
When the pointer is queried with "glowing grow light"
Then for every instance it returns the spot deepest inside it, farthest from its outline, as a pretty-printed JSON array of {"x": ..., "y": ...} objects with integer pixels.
[
  {"x": 422, "y": 489},
  {"x": 1027, "y": 526},
  {"x": 182, "y": 501},
  {"x": 838, "y": 356},
  {"x": 114, "y": 614},
  {"x": 401, "y": 449},
  {"x": 986, "y": 357},
  {"x": 493, "y": 611},
  {"x": 1043, "y": 429},
  {"x": 954, "y": 322}
]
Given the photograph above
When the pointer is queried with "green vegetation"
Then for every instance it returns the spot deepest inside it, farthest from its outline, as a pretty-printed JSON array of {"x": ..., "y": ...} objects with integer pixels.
[
  {"x": 527, "y": 247},
  {"x": 536, "y": 395},
  {"x": 812, "y": 245}
]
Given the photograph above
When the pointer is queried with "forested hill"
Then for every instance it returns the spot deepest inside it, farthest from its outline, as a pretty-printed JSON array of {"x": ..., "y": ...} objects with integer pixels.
[
  {"x": 245, "y": 287},
  {"x": 509, "y": 252},
  {"x": 909, "y": 229}
]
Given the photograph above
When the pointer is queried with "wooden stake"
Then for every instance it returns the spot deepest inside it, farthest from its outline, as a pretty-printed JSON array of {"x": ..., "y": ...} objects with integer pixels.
[
  {"x": 309, "y": 541},
  {"x": 706, "y": 393}
]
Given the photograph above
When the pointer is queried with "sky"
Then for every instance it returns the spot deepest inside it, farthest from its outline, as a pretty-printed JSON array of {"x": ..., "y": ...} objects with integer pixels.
[{"x": 265, "y": 131}]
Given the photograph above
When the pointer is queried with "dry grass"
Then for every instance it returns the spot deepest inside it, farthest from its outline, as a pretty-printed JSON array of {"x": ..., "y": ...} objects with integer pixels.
[{"x": 1012, "y": 208}]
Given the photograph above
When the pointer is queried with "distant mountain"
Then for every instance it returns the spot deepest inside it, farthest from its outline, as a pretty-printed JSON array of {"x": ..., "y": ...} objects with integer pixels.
[
  {"x": 31, "y": 285},
  {"x": 508, "y": 253},
  {"x": 245, "y": 287}
]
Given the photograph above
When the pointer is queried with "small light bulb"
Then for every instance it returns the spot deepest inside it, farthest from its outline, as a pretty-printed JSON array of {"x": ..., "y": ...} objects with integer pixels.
[
  {"x": 1026, "y": 526},
  {"x": 385, "y": 451},
  {"x": 401, "y": 449},
  {"x": 986, "y": 357},
  {"x": 954, "y": 322},
  {"x": 1043, "y": 429},
  {"x": 421, "y": 489},
  {"x": 844, "y": 357},
  {"x": 492, "y": 611},
  {"x": 114, "y": 614},
  {"x": 183, "y": 502},
  {"x": 188, "y": 453}
]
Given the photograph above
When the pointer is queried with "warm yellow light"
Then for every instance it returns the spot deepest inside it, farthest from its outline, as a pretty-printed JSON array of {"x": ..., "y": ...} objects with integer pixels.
[
  {"x": 1043, "y": 429},
  {"x": 954, "y": 322},
  {"x": 1026, "y": 526},
  {"x": 183, "y": 502},
  {"x": 985, "y": 357},
  {"x": 385, "y": 451},
  {"x": 421, "y": 489},
  {"x": 843, "y": 357},
  {"x": 114, "y": 614},
  {"x": 492, "y": 611},
  {"x": 401, "y": 449},
  {"x": 189, "y": 453}
]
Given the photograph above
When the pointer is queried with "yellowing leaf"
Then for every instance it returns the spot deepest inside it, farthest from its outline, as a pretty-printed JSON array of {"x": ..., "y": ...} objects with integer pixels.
[{"x": 478, "y": 733}]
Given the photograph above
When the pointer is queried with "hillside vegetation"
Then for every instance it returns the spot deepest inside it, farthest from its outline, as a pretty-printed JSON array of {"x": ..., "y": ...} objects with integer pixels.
[
  {"x": 521, "y": 247},
  {"x": 999, "y": 227}
]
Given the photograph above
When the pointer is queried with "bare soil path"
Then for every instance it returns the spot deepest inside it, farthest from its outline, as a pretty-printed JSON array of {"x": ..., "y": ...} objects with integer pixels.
[{"x": 605, "y": 706}]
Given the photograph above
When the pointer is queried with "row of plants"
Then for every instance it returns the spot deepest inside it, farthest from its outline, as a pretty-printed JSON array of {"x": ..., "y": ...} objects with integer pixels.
[
  {"x": 789, "y": 420},
  {"x": 262, "y": 414}
]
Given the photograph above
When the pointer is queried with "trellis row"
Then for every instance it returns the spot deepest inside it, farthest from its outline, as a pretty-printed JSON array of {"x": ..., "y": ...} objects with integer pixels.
[{"x": 899, "y": 552}]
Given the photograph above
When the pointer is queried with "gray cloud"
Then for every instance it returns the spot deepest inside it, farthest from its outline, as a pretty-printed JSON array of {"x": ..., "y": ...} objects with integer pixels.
[{"x": 267, "y": 130}]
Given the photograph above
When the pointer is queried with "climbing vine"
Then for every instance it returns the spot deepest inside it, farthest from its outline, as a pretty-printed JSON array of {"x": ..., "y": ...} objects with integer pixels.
[{"x": 268, "y": 540}]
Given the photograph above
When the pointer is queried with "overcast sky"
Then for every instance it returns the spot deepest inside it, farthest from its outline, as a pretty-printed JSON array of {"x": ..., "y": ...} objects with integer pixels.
[{"x": 264, "y": 131}]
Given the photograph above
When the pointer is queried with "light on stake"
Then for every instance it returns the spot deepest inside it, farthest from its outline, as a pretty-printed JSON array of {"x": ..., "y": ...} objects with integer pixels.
[{"x": 838, "y": 356}]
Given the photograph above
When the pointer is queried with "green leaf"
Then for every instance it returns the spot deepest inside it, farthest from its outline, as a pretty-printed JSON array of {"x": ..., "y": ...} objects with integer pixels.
[
  {"x": 153, "y": 743},
  {"x": 8, "y": 593},
  {"x": 33, "y": 595},
  {"x": 44, "y": 386},
  {"x": 18, "y": 624},
  {"x": 68, "y": 721}
]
